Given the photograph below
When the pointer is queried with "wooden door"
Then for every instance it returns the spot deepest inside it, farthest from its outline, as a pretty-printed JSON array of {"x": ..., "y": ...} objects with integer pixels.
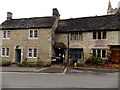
[
  {"x": 18, "y": 55},
  {"x": 116, "y": 56}
]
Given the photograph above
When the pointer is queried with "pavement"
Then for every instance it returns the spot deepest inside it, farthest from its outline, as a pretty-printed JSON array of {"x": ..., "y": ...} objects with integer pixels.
[
  {"x": 51, "y": 69},
  {"x": 55, "y": 69}
]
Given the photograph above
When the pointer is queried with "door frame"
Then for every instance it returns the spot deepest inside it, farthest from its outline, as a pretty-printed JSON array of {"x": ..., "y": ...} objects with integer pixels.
[{"x": 14, "y": 55}]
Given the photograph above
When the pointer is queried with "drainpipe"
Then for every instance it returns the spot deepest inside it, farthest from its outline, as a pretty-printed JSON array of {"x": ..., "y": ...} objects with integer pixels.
[{"x": 68, "y": 49}]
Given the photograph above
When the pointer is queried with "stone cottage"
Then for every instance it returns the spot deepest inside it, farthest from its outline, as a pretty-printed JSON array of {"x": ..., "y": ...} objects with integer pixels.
[{"x": 42, "y": 38}]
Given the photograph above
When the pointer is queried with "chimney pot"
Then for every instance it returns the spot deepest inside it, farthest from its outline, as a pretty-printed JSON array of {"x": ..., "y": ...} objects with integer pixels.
[
  {"x": 9, "y": 15},
  {"x": 56, "y": 12}
]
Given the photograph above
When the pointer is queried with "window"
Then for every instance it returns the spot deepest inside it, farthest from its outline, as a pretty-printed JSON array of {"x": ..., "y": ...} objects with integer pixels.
[
  {"x": 5, "y": 52},
  {"x": 72, "y": 36},
  {"x": 33, "y": 34},
  {"x": 94, "y": 35},
  {"x": 76, "y": 36},
  {"x": 76, "y": 53},
  {"x": 94, "y": 52},
  {"x": 99, "y": 35},
  {"x": 103, "y": 53},
  {"x": 104, "y": 35},
  {"x": 99, "y": 53},
  {"x": 32, "y": 53},
  {"x": 6, "y": 34}
]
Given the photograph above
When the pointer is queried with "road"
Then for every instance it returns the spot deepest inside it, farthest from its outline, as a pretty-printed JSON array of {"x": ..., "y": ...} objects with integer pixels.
[{"x": 75, "y": 80}]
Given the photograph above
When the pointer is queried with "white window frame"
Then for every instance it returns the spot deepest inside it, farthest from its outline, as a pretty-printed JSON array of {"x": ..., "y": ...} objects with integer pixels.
[
  {"x": 6, "y": 34},
  {"x": 5, "y": 52},
  {"x": 101, "y": 50},
  {"x": 33, "y": 34},
  {"x": 32, "y": 53},
  {"x": 77, "y": 36}
]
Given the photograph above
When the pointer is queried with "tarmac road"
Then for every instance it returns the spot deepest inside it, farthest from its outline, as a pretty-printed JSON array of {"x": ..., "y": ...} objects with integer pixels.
[{"x": 75, "y": 80}]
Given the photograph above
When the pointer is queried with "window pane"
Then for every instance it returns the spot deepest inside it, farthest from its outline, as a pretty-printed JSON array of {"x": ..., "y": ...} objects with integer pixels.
[
  {"x": 76, "y": 36},
  {"x": 94, "y": 52},
  {"x": 103, "y": 53},
  {"x": 8, "y": 34},
  {"x": 104, "y": 35},
  {"x": 72, "y": 36},
  {"x": 31, "y": 33},
  {"x": 30, "y": 52},
  {"x": 7, "y": 51},
  {"x": 80, "y": 36},
  {"x": 35, "y": 53},
  {"x": 76, "y": 53},
  {"x": 94, "y": 35},
  {"x": 4, "y": 34},
  {"x": 99, "y": 35},
  {"x": 3, "y": 51},
  {"x": 35, "y": 34},
  {"x": 99, "y": 53}
]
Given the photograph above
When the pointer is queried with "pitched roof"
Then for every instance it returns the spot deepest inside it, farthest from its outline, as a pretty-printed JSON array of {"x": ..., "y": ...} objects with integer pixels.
[
  {"x": 23, "y": 23},
  {"x": 107, "y": 22}
]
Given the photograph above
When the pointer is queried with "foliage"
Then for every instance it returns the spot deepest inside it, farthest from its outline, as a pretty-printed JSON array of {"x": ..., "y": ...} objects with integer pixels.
[
  {"x": 5, "y": 63},
  {"x": 93, "y": 60},
  {"x": 32, "y": 64},
  {"x": 72, "y": 61}
]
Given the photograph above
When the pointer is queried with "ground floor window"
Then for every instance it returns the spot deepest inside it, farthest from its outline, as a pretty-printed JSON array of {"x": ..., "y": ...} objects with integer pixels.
[
  {"x": 76, "y": 53},
  {"x": 5, "y": 52},
  {"x": 32, "y": 53},
  {"x": 99, "y": 53}
]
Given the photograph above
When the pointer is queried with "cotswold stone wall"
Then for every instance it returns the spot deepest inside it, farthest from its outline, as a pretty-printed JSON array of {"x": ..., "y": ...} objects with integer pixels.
[
  {"x": 21, "y": 39},
  {"x": 88, "y": 43},
  {"x": 119, "y": 37}
]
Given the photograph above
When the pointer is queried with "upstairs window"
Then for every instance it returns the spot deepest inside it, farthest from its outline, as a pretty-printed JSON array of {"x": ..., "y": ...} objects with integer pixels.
[
  {"x": 6, "y": 35},
  {"x": 33, "y": 34},
  {"x": 99, "y": 35},
  {"x": 104, "y": 35},
  {"x": 76, "y": 36},
  {"x": 94, "y": 35}
]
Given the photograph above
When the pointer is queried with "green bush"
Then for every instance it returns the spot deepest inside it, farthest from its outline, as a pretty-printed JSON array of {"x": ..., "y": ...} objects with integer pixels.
[
  {"x": 93, "y": 60},
  {"x": 5, "y": 63},
  {"x": 22, "y": 64},
  {"x": 72, "y": 61},
  {"x": 44, "y": 64},
  {"x": 32, "y": 64}
]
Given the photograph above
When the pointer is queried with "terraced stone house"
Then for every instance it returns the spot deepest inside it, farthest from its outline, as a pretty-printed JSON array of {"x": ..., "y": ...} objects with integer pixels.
[{"x": 42, "y": 38}]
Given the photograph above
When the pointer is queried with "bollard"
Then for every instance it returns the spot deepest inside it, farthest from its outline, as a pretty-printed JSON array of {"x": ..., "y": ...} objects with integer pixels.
[{"x": 75, "y": 66}]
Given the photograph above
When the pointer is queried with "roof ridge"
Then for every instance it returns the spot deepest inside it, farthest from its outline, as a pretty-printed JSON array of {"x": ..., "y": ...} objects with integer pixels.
[
  {"x": 86, "y": 17},
  {"x": 32, "y": 18}
]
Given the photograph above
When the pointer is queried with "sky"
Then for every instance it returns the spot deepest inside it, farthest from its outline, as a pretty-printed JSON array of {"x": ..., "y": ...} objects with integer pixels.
[{"x": 66, "y": 8}]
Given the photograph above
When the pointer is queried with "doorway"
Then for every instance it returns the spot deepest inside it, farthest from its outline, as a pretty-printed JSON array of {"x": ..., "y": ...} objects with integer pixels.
[
  {"x": 115, "y": 56},
  {"x": 60, "y": 54},
  {"x": 18, "y": 55}
]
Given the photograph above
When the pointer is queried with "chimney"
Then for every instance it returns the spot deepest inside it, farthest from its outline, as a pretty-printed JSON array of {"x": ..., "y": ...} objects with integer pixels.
[
  {"x": 9, "y": 15},
  {"x": 56, "y": 13}
]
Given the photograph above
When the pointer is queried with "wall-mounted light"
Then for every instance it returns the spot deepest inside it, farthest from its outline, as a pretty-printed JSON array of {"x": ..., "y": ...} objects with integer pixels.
[{"x": 17, "y": 46}]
